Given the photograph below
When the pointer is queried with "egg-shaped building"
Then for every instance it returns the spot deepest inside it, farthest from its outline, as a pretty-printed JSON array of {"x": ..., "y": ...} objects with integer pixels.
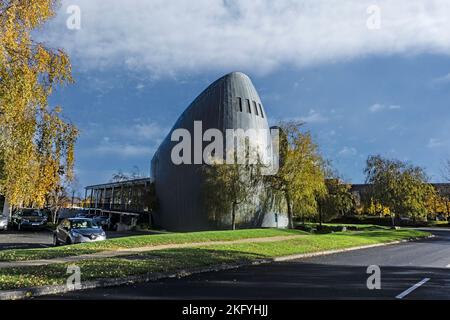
[{"x": 231, "y": 102}]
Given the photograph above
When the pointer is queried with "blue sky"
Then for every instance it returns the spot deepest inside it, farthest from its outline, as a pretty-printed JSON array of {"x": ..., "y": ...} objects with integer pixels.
[{"x": 360, "y": 92}]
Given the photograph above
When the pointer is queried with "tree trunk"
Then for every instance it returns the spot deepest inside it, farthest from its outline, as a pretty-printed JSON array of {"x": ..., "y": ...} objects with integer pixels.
[
  {"x": 320, "y": 217},
  {"x": 233, "y": 217},
  {"x": 393, "y": 220},
  {"x": 289, "y": 206},
  {"x": 448, "y": 209},
  {"x": 55, "y": 214},
  {"x": 7, "y": 210}
]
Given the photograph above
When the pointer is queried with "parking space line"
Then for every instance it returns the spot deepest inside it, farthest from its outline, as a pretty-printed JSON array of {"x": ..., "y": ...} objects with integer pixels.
[{"x": 414, "y": 287}]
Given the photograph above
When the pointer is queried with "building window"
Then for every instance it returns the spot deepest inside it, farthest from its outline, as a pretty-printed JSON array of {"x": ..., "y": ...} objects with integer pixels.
[
  {"x": 249, "y": 109},
  {"x": 239, "y": 104},
  {"x": 260, "y": 109},
  {"x": 255, "y": 106}
]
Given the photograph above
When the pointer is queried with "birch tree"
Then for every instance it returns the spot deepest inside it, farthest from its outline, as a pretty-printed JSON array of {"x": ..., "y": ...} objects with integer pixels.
[{"x": 36, "y": 142}]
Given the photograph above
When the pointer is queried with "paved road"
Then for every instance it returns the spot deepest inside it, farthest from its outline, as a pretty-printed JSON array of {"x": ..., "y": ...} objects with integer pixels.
[
  {"x": 338, "y": 276},
  {"x": 25, "y": 239}
]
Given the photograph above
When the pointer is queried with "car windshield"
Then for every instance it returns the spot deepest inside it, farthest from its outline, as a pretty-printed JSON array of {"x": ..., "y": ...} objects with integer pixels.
[
  {"x": 32, "y": 213},
  {"x": 82, "y": 224}
]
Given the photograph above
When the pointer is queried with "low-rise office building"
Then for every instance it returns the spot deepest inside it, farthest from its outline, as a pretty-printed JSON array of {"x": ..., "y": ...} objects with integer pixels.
[{"x": 125, "y": 202}]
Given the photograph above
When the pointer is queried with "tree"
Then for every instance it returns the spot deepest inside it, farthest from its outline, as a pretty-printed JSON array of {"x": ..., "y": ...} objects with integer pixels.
[
  {"x": 437, "y": 204},
  {"x": 400, "y": 186},
  {"x": 36, "y": 143},
  {"x": 229, "y": 187},
  {"x": 300, "y": 179},
  {"x": 337, "y": 201},
  {"x": 57, "y": 199},
  {"x": 121, "y": 176},
  {"x": 74, "y": 189},
  {"x": 374, "y": 208},
  {"x": 136, "y": 173}
]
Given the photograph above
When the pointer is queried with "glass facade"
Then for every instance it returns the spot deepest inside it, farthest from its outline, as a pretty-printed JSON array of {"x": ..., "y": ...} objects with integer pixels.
[{"x": 128, "y": 196}]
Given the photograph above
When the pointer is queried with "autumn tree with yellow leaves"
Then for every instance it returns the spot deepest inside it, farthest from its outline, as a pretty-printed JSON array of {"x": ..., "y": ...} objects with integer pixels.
[
  {"x": 399, "y": 186},
  {"x": 36, "y": 143},
  {"x": 300, "y": 181}
]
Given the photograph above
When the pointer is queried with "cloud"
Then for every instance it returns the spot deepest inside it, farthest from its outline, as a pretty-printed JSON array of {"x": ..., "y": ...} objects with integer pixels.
[
  {"x": 435, "y": 143},
  {"x": 136, "y": 139},
  {"x": 380, "y": 107},
  {"x": 312, "y": 117},
  {"x": 162, "y": 38},
  {"x": 144, "y": 131},
  {"x": 123, "y": 150},
  {"x": 133, "y": 131},
  {"x": 348, "y": 151},
  {"x": 441, "y": 80}
]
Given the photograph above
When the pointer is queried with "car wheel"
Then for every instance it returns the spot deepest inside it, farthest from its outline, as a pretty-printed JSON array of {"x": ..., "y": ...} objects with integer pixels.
[{"x": 68, "y": 241}]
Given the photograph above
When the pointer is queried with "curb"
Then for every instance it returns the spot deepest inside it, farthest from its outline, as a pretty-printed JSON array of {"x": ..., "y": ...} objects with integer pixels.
[{"x": 19, "y": 294}]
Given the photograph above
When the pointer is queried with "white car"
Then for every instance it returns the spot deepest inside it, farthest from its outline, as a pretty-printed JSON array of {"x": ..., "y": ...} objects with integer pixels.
[{"x": 3, "y": 223}]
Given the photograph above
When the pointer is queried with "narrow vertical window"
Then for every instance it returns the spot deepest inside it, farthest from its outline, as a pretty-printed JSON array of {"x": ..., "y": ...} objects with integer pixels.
[
  {"x": 239, "y": 104},
  {"x": 260, "y": 109},
  {"x": 255, "y": 106},
  {"x": 249, "y": 108}
]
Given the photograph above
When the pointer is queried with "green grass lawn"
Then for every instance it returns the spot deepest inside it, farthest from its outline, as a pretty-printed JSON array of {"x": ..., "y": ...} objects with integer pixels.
[
  {"x": 141, "y": 241},
  {"x": 184, "y": 258},
  {"x": 317, "y": 242}
]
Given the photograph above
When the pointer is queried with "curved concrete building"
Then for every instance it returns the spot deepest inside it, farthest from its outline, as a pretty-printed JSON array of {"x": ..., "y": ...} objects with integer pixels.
[{"x": 231, "y": 102}]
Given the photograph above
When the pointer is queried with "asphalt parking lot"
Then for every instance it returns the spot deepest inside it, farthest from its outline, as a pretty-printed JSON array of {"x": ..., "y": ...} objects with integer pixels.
[
  {"x": 25, "y": 239},
  {"x": 13, "y": 239}
]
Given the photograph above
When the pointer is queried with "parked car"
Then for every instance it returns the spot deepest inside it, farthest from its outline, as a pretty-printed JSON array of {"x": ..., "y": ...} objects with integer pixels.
[
  {"x": 77, "y": 230},
  {"x": 102, "y": 221},
  {"x": 29, "y": 219},
  {"x": 85, "y": 215},
  {"x": 3, "y": 223}
]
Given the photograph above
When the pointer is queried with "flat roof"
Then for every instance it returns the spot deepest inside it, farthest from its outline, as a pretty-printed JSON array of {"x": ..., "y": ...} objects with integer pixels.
[{"x": 119, "y": 183}]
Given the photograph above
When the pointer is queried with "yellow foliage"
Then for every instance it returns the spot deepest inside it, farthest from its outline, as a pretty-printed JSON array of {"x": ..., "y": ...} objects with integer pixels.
[
  {"x": 36, "y": 144},
  {"x": 375, "y": 208}
]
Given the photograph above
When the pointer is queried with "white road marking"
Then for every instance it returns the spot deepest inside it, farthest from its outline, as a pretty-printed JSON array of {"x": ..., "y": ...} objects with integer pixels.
[{"x": 414, "y": 287}]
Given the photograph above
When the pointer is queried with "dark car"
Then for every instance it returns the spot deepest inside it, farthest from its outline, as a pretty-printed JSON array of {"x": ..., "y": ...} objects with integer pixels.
[
  {"x": 29, "y": 219},
  {"x": 77, "y": 230},
  {"x": 103, "y": 221},
  {"x": 85, "y": 215}
]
